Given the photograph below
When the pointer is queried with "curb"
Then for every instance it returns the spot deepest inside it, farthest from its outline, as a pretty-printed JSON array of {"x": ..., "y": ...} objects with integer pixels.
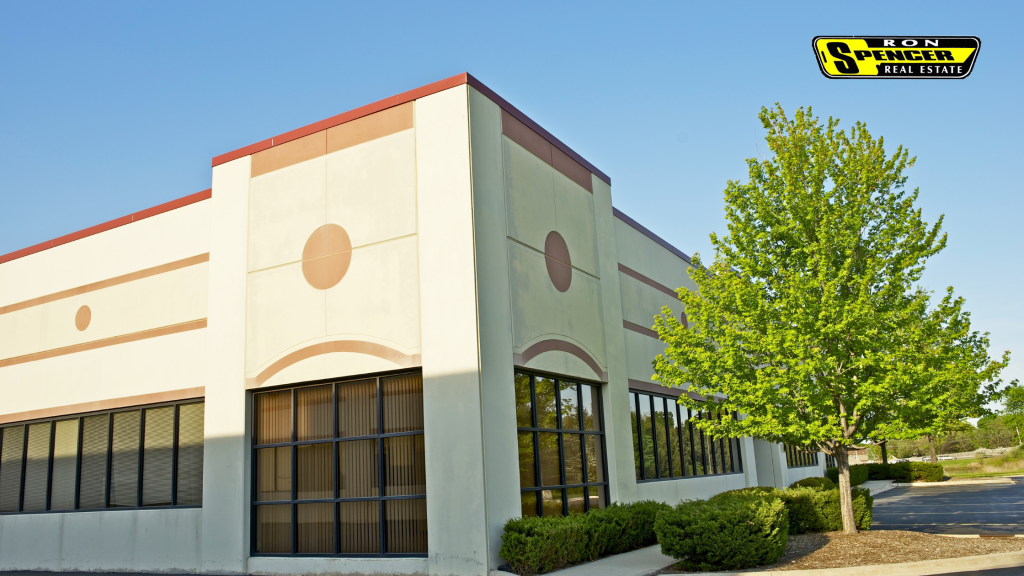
[
  {"x": 929, "y": 567},
  {"x": 980, "y": 482}
]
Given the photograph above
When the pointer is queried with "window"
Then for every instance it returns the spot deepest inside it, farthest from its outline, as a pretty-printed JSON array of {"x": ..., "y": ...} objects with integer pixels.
[
  {"x": 830, "y": 461},
  {"x": 147, "y": 457},
  {"x": 561, "y": 446},
  {"x": 338, "y": 469},
  {"x": 798, "y": 457},
  {"x": 667, "y": 446}
]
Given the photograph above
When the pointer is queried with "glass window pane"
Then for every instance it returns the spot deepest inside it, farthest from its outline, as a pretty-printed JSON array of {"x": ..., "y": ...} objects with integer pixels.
[
  {"x": 406, "y": 526},
  {"x": 315, "y": 524},
  {"x": 636, "y": 437},
  {"x": 360, "y": 527},
  {"x": 357, "y": 408},
  {"x": 313, "y": 418},
  {"x": 664, "y": 469},
  {"x": 158, "y": 457},
  {"x": 595, "y": 459},
  {"x": 550, "y": 467},
  {"x": 529, "y": 504},
  {"x": 597, "y": 496},
  {"x": 547, "y": 417},
  {"x": 673, "y": 438},
  {"x": 273, "y": 417},
  {"x": 591, "y": 412},
  {"x": 524, "y": 402},
  {"x": 314, "y": 471},
  {"x": 95, "y": 441},
  {"x": 726, "y": 447},
  {"x": 124, "y": 460},
  {"x": 646, "y": 423},
  {"x": 274, "y": 474},
  {"x": 687, "y": 445},
  {"x": 404, "y": 470},
  {"x": 699, "y": 467},
  {"x": 191, "y": 422},
  {"x": 11, "y": 452},
  {"x": 576, "y": 500},
  {"x": 65, "y": 465},
  {"x": 357, "y": 474},
  {"x": 573, "y": 459},
  {"x": 37, "y": 466},
  {"x": 570, "y": 405},
  {"x": 527, "y": 464},
  {"x": 274, "y": 529},
  {"x": 709, "y": 450},
  {"x": 403, "y": 403},
  {"x": 551, "y": 502}
]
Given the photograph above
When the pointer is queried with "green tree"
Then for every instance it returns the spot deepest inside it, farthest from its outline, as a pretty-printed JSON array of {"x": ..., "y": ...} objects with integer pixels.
[
  {"x": 1013, "y": 409},
  {"x": 809, "y": 321}
]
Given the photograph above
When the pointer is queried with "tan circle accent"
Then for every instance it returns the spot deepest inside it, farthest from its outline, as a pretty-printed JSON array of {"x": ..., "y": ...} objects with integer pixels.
[
  {"x": 556, "y": 256},
  {"x": 82, "y": 318},
  {"x": 326, "y": 256}
]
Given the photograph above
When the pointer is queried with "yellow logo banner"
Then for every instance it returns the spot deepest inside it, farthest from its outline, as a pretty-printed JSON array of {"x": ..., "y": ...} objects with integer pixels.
[{"x": 948, "y": 57}]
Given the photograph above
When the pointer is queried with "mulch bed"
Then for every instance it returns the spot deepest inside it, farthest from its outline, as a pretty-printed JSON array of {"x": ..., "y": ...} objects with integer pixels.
[{"x": 841, "y": 550}]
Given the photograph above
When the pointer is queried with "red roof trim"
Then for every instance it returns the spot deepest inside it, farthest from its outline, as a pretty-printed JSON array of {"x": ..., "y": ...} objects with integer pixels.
[
  {"x": 115, "y": 223},
  {"x": 421, "y": 92}
]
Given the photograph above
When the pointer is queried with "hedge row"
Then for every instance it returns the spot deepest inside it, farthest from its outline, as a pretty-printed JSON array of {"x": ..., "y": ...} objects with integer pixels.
[
  {"x": 535, "y": 545},
  {"x": 900, "y": 472}
]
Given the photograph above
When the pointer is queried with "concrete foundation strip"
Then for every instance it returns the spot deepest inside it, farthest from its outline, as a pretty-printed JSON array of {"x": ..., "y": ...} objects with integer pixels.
[{"x": 922, "y": 568}]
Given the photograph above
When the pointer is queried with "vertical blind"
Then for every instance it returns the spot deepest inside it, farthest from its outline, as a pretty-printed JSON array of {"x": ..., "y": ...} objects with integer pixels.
[
  {"x": 797, "y": 457},
  {"x": 666, "y": 444},
  {"x": 340, "y": 469},
  {"x": 150, "y": 457}
]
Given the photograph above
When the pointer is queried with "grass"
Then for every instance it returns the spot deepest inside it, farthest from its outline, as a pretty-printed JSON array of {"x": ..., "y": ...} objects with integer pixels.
[{"x": 1009, "y": 465}]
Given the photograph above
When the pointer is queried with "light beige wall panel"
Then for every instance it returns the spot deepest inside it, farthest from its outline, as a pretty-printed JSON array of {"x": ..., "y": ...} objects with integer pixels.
[
  {"x": 379, "y": 296},
  {"x": 453, "y": 435},
  {"x": 558, "y": 362},
  {"x": 285, "y": 207},
  {"x": 615, "y": 395},
  {"x": 539, "y": 311},
  {"x": 112, "y": 541},
  {"x": 283, "y": 311},
  {"x": 574, "y": 215},
  {"x": 638, "y": 356},
  {"x": 501, "y": 464},
  {"x": 226, "y": 496},
  {"x": 640, "y": 253},
  {"x": 529, "y": 196},
  {"x": 160, "y": 239},
  {"x": 163, "y": 300},
  {"x": 371, "y": 189},
  {"x": 698, "y": 488},
  {"x": 346, "y": 566},
  {"x": 162, "y": 364}
]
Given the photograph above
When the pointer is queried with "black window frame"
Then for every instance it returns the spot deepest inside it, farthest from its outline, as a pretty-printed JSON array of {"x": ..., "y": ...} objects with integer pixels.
[
  {"x": 535, "y": 431},
  {"x": 294, "y": 502},
  {"x": 797, "y": 457},
  {"x": 708, "y": 461},
  {"x": 141, "y": 409}
]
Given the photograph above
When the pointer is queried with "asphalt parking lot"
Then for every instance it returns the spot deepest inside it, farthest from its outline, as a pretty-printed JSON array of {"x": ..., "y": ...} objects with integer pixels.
[{"x": 988, "y": 510}]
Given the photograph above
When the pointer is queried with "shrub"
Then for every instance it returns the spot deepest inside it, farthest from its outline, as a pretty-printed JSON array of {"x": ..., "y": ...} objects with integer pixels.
[
  {"x": 815, "y": 510},
  {"x": 816, "y": 482},
  {"x": 879, "y": 471},
  {"x": 926, "y": 472},
  {"x": 858, "y": 474},
  {"x": 536, "y": 545},
  {"x": 739, "y": 531},
  {"x": 745, "y": 491}
]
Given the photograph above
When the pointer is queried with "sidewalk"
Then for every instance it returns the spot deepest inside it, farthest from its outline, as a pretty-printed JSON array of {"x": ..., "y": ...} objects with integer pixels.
[
  {"x": 642, "y": 562},
  {"x": 878, "y": 486}
]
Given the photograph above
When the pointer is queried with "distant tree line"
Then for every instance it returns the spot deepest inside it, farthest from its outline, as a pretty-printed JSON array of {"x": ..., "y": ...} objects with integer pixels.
[{"x": 991, "y": 432}]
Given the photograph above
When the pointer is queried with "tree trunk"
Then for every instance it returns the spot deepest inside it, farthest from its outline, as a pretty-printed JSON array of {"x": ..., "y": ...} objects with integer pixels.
[
  {"x": 885, "y": 454},
  {"x": 931, "y": 449},
  {"x": 845, "y": 492}
]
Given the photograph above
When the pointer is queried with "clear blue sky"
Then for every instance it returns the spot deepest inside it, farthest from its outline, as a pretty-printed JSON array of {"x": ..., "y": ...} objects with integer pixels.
[{"x": 108, "y": 108}]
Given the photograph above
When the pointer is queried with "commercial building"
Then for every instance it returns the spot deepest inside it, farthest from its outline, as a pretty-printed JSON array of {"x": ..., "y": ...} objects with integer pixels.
[{"x": 371, "y": 343}]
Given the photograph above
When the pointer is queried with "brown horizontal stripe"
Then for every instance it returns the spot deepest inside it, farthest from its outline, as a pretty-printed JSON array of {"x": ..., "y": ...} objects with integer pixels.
[
  {"x": 521, "y": 134},
  {"x": 367, "y": 128},
  {"x": 554, "y": 345},
  {"x": 639, "y": 329},
  {"x": 169, "y": 267},
  {"x": 102, "y": 405},
  {"x": 288, "y": 154},
  {"x": 652, "y": 283},
  {"x": 123, "y": 339},
  {"x": 356, "y": 346}
]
